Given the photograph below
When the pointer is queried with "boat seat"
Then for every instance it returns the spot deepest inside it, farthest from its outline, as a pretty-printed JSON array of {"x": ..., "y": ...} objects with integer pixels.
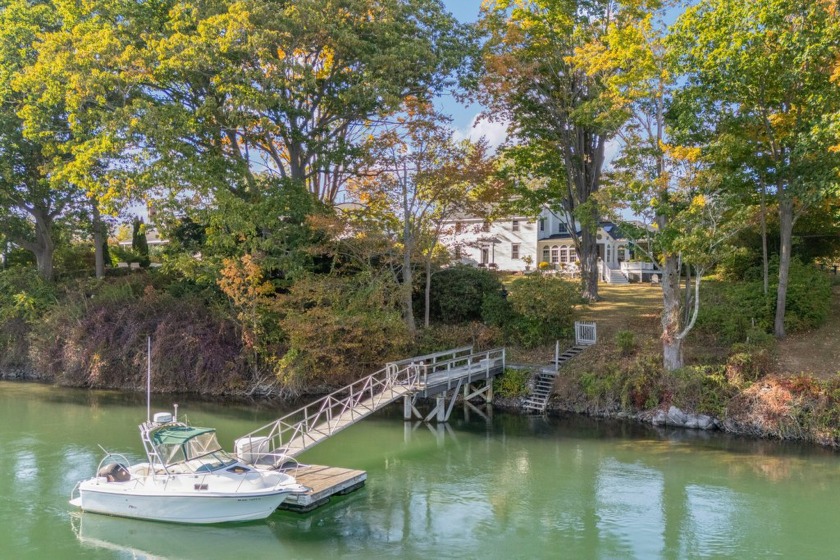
[{"x": 115, "y": 472}]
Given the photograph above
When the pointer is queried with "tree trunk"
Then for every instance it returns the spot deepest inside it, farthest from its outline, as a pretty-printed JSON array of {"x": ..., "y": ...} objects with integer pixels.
[
  {"x": 589, "y": 272},
  {"x": 44, "y": 247},
  {"x": 98, "y": 239},
  {"x": 671, "y": 342},
  {"x": 427, "y": 305},
  {"x": 589, "y": 258},
  {"x": 786, "y": 235},
  {"x": 687, "y": 300},
  {"x": 406, "y": 289},
  {"x": 765, "y": 263}
]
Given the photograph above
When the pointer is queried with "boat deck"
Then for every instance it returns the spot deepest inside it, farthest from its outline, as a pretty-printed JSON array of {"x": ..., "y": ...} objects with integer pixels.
[{"x": 324, "y": 483}]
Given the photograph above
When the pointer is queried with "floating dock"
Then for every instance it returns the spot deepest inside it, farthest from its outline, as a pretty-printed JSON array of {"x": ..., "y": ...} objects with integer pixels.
[{"x": 324, "y": 482}]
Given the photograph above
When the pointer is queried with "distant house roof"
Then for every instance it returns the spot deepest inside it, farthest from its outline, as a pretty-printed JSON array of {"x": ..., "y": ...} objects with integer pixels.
[{"x": 613, "y": 230}]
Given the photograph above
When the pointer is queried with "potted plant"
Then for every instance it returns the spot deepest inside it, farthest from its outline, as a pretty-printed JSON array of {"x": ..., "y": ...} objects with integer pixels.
[{"x": 527, "y": 260}]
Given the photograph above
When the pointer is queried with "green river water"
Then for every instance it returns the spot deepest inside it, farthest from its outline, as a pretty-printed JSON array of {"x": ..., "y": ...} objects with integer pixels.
[{"x": 506, "y": 486}]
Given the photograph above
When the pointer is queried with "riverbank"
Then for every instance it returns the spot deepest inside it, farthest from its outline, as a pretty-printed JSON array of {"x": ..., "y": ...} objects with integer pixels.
[{"x": 97, "y": 340}]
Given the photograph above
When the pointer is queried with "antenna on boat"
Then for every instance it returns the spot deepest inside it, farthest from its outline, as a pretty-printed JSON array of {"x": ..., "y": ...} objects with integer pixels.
[{"x": 149, "y": 378}]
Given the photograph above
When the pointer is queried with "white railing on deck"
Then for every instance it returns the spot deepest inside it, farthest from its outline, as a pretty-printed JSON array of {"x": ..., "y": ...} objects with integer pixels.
[
  {"x": 585, "y": 333},
  {"x": 451, "y": 365},
  {"x": 636, "y": 266}
]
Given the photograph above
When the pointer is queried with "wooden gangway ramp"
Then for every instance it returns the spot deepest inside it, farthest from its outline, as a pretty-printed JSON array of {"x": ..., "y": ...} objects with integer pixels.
[
  {"x": 426, "y": 376},
  {"x": 440, "y": 375}
]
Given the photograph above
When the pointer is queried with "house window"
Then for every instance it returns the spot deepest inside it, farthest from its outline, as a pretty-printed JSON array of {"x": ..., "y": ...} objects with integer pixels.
[
  {"x": 609, "y": 253},
  {"x": 514, "y": 251},
  {"x": 458, "y": 252},
  {"x": 561, "y": 228},
  {"x": 514, "y": 225},
  {"x": 458, "y": 227},
  {"x": 485, "y": 227},
  {"x": 545, "y": 254},
  {"x": 555, "y": 254},
  {"x": 542, "y": 224},
  {"x": 564, "y": 254}
]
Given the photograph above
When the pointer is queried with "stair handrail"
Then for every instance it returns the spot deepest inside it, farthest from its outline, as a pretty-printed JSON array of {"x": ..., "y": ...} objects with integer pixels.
[{"x": 321, "y": 416}]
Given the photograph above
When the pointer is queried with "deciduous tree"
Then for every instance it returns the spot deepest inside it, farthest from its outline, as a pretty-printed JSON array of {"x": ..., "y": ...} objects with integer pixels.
[
  {"x": 764, "y": 68},
  {"x": 555, "y": 106}
]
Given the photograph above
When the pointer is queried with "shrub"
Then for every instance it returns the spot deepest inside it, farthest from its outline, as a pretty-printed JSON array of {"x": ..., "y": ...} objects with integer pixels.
[
  {"x": 496, "y": 310},
  {"x": 457, "y": 293},
  {"x": 96, "y": 337},
  {"x": 626, "y": 342},
  {"x": 74, "y": 260},
  {"x": 24, "y": 294},
  {"x": 737, "y": 311},
  {"x": 544, "y": 309},
  {"x": 513, "y": 383},
  {"x": 440, "y": 337},
  {"x": 338, "y": 328}
]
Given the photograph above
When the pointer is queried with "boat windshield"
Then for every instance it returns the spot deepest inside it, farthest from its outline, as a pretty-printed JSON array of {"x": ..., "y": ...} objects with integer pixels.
[{"x": 198, "y": 448}]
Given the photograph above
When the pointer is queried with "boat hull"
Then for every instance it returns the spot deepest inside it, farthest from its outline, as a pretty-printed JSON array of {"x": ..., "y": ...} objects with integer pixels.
[{"x": 199, "y": 508}]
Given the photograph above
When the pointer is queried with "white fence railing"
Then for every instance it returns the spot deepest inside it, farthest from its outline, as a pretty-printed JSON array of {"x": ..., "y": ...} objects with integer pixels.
[
  {"x": 436, "y": 369},
  {"x": 637, "y": 266},
  {"x": 586, "y": 333}
]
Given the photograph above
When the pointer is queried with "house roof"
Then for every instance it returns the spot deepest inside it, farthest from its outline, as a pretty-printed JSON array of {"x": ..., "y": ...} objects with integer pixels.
[{"x": 565, "y": 235}]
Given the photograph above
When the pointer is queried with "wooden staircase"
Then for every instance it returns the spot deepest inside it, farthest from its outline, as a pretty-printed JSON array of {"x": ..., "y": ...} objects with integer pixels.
[{"x": 544, "y": 380}]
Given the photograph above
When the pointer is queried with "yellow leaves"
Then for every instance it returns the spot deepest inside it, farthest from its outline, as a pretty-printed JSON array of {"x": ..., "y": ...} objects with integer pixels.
[
  {"x": 326, "y": 63},
  {"x": 242, "y": 281},
  {"x": 783, "y": 123},
  {"x": 698, "y": 203},
  {"x": 689, "y": 154}
]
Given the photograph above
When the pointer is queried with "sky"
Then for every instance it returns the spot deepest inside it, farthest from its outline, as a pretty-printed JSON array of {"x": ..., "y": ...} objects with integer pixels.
[{"x": 465, "y": 117}]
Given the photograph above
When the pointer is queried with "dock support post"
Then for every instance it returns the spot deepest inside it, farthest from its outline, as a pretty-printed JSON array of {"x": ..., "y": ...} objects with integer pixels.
[
  {"x": 485, "y": 391},
  {"x": 440, "y": 407},
  {"x": 406, "y": 407}
]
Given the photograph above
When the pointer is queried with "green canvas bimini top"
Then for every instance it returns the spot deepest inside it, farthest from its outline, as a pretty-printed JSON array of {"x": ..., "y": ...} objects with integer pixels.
[{"x": 176, "y": 435}]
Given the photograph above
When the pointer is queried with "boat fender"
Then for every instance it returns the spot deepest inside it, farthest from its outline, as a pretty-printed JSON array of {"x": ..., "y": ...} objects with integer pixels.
[{"x": 115, "y": 472}]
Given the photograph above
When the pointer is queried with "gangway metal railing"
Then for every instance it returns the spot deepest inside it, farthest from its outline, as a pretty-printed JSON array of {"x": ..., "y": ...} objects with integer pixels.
[
  {"x": 432, "y": 374},
  {"x": 282, "y": 439},
  {"x": 444, "y": 370}
]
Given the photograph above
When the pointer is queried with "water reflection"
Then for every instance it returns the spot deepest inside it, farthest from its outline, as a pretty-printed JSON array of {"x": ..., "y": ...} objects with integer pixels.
[{"x": 161, "y": 541}]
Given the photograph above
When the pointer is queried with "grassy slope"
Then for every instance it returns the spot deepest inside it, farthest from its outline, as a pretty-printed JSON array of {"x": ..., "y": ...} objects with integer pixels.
[{"x": 816, "y": 352}]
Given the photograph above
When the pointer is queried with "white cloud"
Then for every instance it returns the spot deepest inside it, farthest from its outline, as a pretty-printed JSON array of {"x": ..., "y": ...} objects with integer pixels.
[
  {"x": 493, "y": 132},
  {"x": 611, "y": 150}
]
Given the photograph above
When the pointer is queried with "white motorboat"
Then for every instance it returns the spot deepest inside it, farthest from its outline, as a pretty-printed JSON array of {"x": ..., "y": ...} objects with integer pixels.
[{"x": 187, "y": 478}]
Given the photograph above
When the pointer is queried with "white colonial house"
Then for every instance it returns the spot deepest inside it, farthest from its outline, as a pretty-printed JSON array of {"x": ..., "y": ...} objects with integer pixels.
[{"x": 521, "y": 243}]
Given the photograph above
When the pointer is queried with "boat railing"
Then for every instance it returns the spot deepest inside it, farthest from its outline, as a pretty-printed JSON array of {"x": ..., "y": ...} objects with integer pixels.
[{"x": 269, "y": 445}]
